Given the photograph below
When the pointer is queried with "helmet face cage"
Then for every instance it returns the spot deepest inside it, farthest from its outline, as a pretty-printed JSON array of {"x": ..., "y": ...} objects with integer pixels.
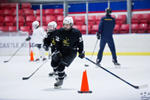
[{"x": 50, "y": 28}]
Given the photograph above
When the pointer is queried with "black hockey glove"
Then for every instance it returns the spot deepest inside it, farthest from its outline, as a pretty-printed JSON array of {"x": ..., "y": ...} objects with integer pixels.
[
  {"x": 82, "y": 55},
  {"x": 98, "y": 35},
  {"x": 28, "y": 38},
  {"x": 45, "y": 48}
]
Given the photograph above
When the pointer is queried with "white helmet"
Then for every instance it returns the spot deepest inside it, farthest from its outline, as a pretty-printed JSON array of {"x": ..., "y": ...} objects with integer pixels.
[
  {"x": 68, "y": 20},
  {"x": 52, "y": 24},
  {"x": 35, "y": 24}
]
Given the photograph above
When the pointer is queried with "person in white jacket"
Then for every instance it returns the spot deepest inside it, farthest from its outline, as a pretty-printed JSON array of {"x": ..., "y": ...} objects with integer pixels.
[{"x": 37, "y": 41}]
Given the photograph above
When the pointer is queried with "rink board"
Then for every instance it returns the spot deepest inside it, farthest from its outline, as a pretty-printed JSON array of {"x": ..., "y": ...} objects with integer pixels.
[{"x": 126, "y": 44}]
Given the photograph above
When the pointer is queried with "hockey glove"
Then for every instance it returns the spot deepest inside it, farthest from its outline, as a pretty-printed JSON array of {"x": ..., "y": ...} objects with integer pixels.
[
  {"x": 98, "y": 35},
  {"x": 82, "y": 55},
  {"x": 45, "y": 48},
  {"x": 28, "y": 38}
]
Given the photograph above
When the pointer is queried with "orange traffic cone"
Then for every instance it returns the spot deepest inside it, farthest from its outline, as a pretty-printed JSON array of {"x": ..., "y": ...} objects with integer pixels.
[
  {"x": 84, "y": 84},
  {"x": 31, "y": 56}
]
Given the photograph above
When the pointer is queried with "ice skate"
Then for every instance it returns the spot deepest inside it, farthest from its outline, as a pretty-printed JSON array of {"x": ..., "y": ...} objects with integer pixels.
[
  {"x": 116, "y": 63},
  {"x": 44, "y": 59},
  {"x": 98, "y": 62},
  {"x": 58, "y": 84},
  {"x": 36, "y": 60}
]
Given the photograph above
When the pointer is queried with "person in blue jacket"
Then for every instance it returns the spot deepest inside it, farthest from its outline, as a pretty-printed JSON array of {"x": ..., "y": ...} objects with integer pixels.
[{"x": 105, "y": 34}]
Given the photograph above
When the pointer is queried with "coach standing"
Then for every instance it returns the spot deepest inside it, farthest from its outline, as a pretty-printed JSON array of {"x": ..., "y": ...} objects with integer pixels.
[{"x": 105, "y": 32}]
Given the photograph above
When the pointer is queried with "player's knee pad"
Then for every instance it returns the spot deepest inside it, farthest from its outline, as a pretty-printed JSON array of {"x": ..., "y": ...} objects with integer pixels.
[
  {"x": 54, "y": 64},
  {"x": 63, "y": 63},
  {"x": 56, "y": 57}
]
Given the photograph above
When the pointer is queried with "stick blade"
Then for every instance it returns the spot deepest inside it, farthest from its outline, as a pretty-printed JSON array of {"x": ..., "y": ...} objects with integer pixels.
[
  {"x": 25, "y": 78},
  {"x": 143, "y": 86},
  {"x": 6, "y": 61}
]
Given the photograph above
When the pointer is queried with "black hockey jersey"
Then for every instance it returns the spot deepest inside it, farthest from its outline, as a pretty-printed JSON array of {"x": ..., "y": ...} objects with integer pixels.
[
  {"x": 70, "y": 40},
  {"x": 50, "y": 40}
]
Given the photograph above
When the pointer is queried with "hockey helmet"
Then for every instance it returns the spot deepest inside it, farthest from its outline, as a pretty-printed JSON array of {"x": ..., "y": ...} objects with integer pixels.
[
  {"x": 35, "y": 24},
  {"x": 52, "y": 25},
  {"x": 68, "y": 20}
]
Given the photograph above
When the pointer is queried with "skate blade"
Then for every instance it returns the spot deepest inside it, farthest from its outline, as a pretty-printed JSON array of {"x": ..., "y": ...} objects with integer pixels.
[
  {"x": 52, "y": 76},
  {"x": 57, "y": 87},
  {"x": 118, "y": 66}
]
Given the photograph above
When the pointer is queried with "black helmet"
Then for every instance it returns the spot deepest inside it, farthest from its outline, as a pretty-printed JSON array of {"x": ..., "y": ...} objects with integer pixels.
[{"x": 108, "y": 11}]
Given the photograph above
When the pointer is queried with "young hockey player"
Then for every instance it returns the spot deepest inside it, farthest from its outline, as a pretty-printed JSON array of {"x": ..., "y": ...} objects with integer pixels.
[
  {"x": 37, "y": 41},
  {"x": 69, "y": 42},
  {"x": 105, "y": 32},
  {"x": 50, "y": 41}
]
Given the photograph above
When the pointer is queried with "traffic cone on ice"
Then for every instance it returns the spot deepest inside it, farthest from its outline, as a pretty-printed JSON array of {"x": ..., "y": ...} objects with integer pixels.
[
  {"x": 31, "y": 56},
  {"x": 84, "y": 84}
]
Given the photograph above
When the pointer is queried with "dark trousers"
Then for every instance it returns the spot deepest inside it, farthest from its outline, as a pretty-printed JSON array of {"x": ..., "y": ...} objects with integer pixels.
[
  {"x": 62, "y": 62},
  {"x": 111, "y": 45}
]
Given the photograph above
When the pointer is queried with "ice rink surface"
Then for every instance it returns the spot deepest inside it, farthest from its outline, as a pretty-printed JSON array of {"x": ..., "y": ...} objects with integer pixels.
[{"x": 104, "y": 86}]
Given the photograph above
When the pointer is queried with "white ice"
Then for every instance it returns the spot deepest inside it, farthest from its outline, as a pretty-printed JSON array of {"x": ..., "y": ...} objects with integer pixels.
[{"x": 104, "y": 86}]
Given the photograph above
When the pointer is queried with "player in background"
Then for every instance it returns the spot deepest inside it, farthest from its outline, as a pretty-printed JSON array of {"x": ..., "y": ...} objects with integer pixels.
[
  {"x": 105, "y": 32},
  {"x": 69, "y": 42},
  {"x": 37, "y": 41},
  {"x": 50, "y": 41}
]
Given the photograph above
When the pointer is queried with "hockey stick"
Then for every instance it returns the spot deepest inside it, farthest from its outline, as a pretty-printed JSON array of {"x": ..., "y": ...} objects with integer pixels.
[
  {"x": 134, "y": 86},
  {"x": 14, "y": 53},
  {"x": 94, "y": 48},
  {"x": 49, "y": 54},
  {"x": 26, "y": 78},
  {"x": 92, "y": 52}
]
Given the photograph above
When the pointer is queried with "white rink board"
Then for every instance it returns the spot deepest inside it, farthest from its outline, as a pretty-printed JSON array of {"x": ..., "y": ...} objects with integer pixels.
[
  {"x": 123, "y": 43},
  {"x": 9, "y": 44}
]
